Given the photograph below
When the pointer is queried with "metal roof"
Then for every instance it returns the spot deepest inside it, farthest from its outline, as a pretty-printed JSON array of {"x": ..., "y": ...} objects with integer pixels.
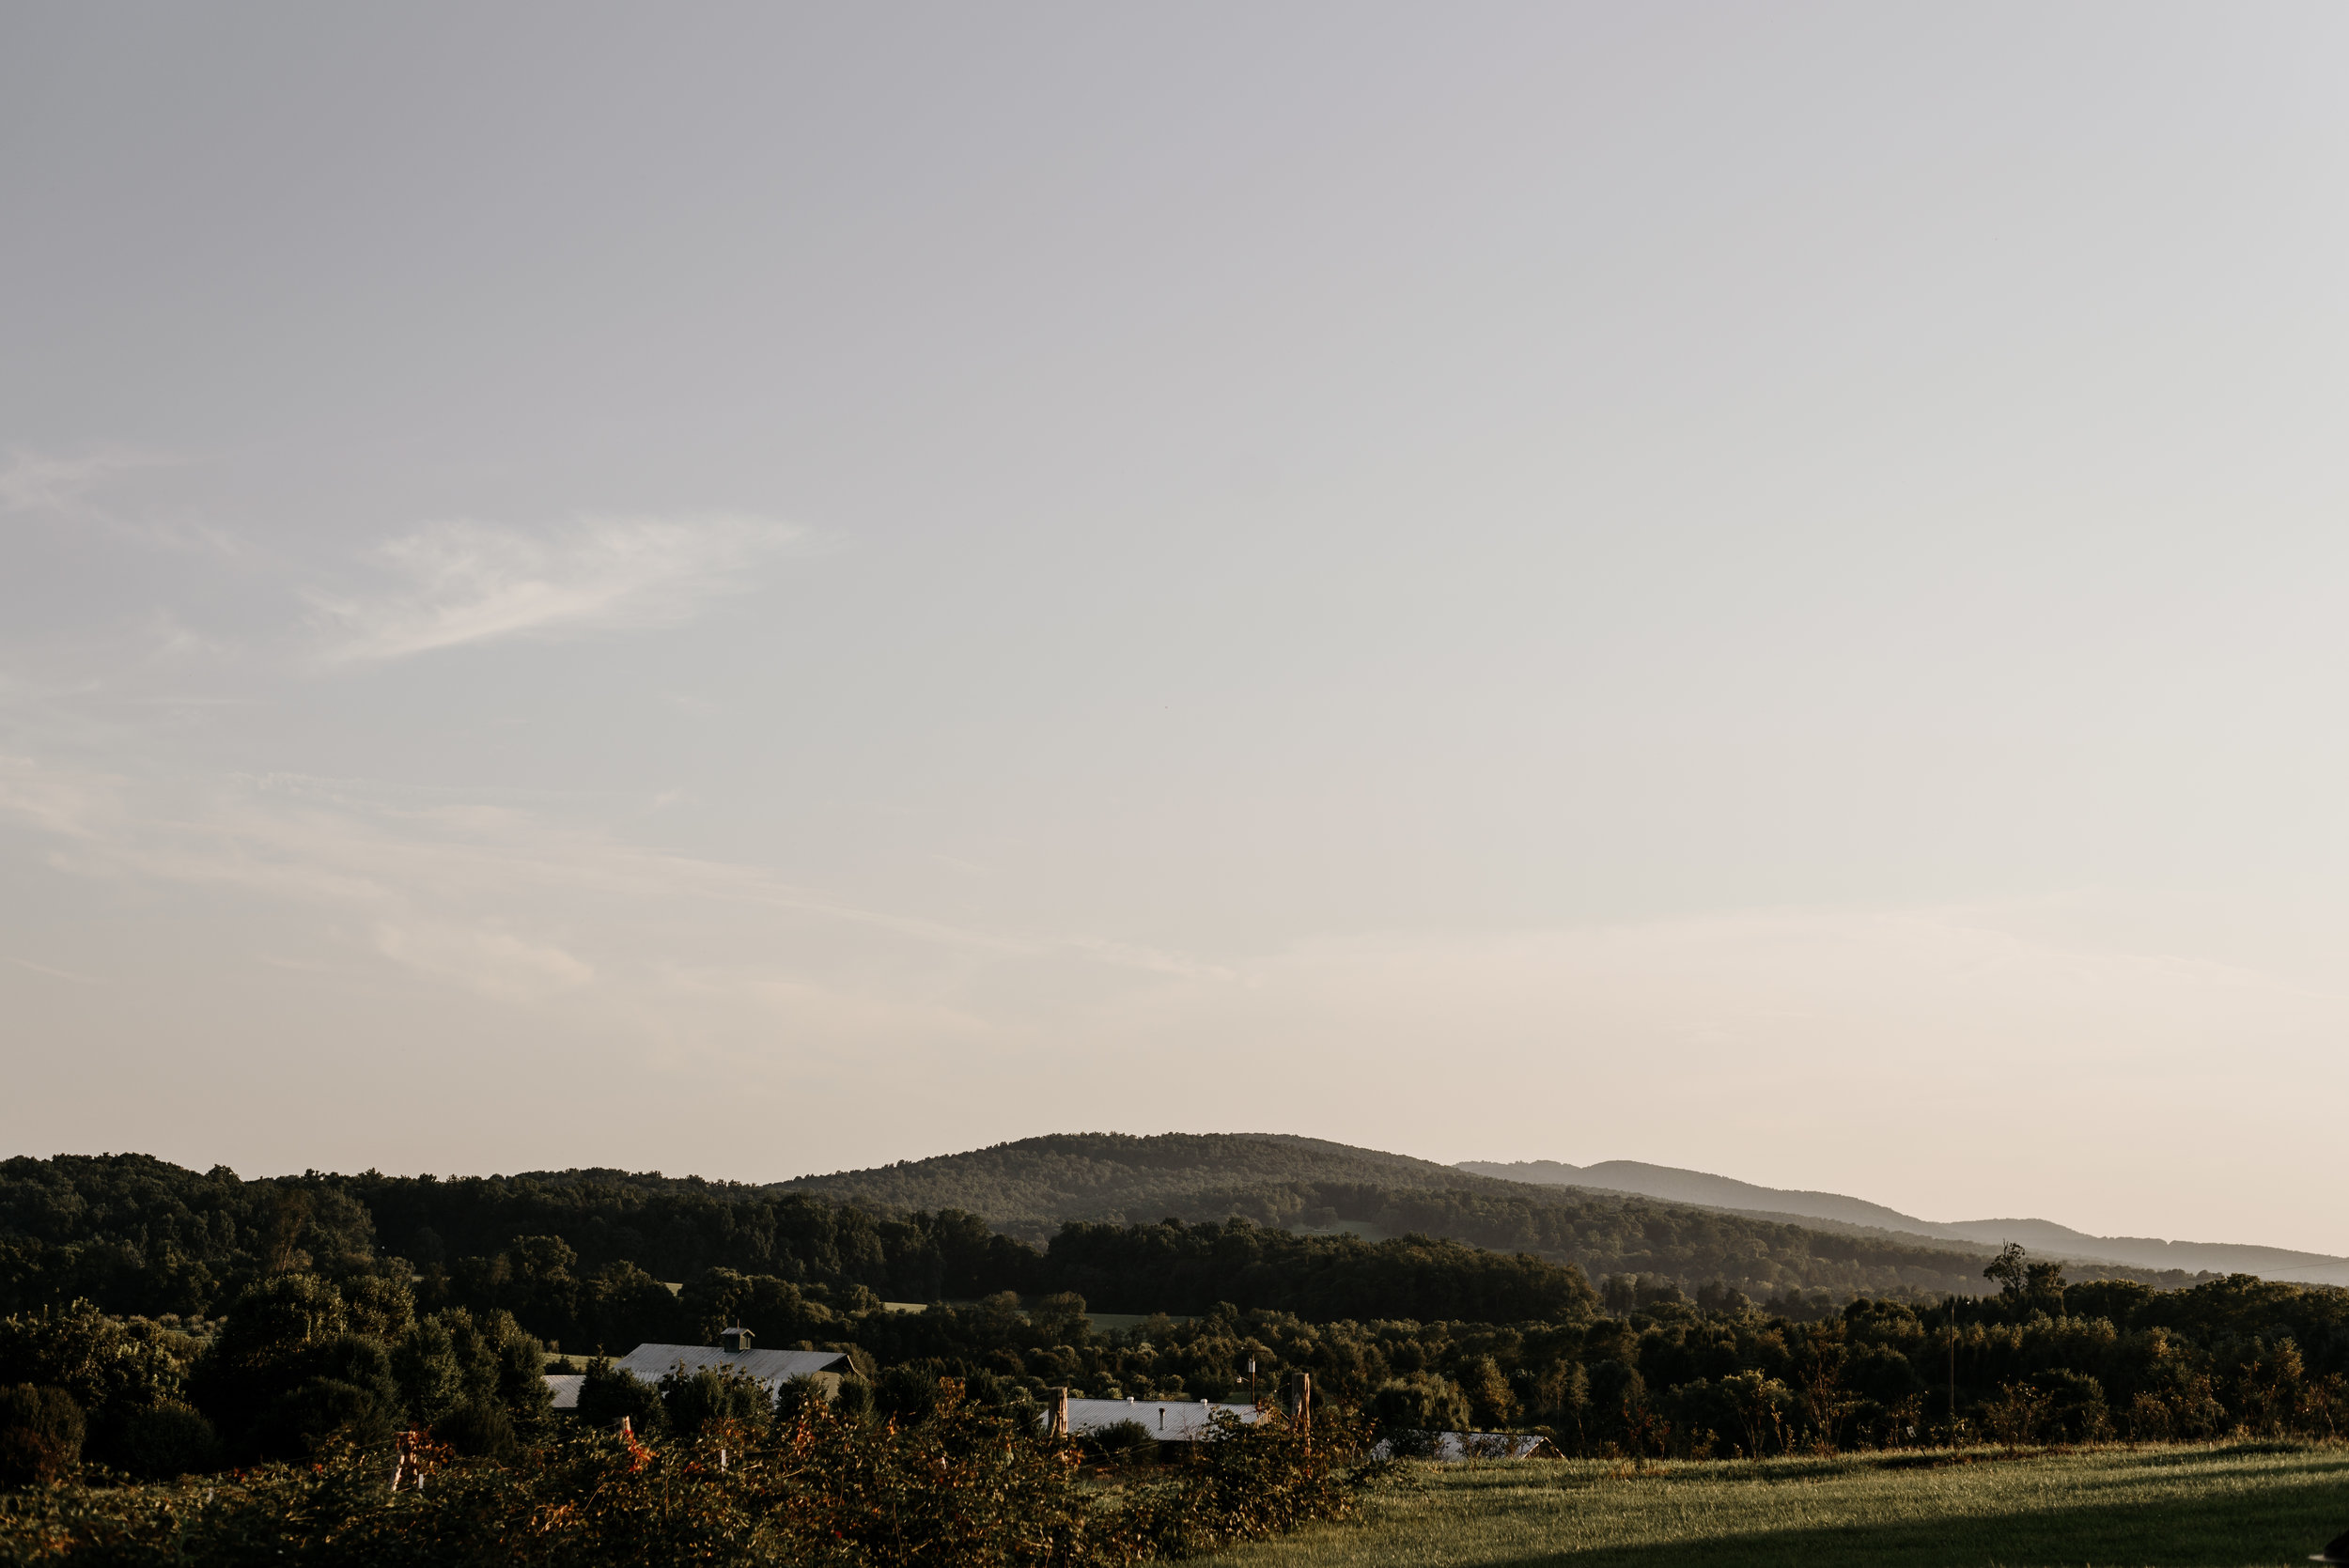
[
  {"x": 1172, "y": 1420},
  {"x": 565, "y": 1387},
  {"x": 1452, "y": 1446},
  {"x": 772, "y": 1368}
]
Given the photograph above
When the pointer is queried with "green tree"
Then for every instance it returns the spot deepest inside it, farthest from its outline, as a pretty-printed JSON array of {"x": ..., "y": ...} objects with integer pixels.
[
  {"x": 1409, "y": 1412},
  {"x": 1491, "y": 1403},
  {"x": 2010, "y": 1270}
]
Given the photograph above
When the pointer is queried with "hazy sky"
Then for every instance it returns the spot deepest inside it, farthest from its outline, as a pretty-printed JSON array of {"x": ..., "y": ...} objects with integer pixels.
[{"x": 757, "y": 590}]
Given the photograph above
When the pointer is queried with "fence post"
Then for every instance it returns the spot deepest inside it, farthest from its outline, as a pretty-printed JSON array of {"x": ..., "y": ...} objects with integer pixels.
[{"x": 1060, "y": 1412}]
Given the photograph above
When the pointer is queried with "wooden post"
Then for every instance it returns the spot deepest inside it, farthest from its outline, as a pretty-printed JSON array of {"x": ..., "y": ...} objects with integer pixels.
[
  {"x": 1301, "y": 1398},
  {"x": 408, "y": 1462},
  {"x": 1060, "y": 1412}
]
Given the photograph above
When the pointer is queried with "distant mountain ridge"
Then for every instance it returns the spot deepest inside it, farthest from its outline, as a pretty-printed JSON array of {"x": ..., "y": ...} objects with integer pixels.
[
  {"x": 1032, "y": 1187},
  {"x": 1672, "y": 1184}
]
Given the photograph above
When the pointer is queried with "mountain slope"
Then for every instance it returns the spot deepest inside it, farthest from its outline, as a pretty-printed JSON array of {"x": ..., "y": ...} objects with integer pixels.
[
  {"x": 1677, "y": 1186},
  {"x": 1033, "y": 1186},
  {"x": 1038, "y": 1183},
  {"x": 1673, "y": 1185}
]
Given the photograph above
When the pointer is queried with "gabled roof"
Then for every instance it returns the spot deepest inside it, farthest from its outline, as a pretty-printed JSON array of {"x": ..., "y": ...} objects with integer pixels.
[
  {"x": 771, "y": 1367},
  {"x": 1171, "y": 1420},
  {"x": 565, "y": 1386}
]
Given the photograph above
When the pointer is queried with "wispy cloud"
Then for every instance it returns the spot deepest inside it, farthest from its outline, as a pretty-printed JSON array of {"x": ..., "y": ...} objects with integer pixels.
[
  {"x": 459, "y": 583},
  {"x": 33, "y": 481},
  {"x": 54, "y": 973},
  {"x": 493, "y": 898},
  {"x": 487, "y": 958}
]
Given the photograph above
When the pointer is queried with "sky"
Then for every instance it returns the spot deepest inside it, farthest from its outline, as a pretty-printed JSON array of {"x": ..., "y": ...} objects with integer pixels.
[{"x": 765, "y": 589}]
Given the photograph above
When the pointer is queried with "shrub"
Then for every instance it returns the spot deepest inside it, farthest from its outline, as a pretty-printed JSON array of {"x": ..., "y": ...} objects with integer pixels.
[
  {"x": 41, "y": 1433},
  {"x": 2019, "y": 1416},
  {"x": 159, "y": 1442},
  {"x": 479, "y": 1430},
  {"x": 2077, "y": 1411},
  {"x": 854, "y": 1402},
  {"x": 609, "y": 1394},
  {"x": 907, "y": 1393},
  {"x": 693, "y": 1400},
  {"x": 798, "y": 1394},
  {"x": 1121, "y": 1443},
  {"x": 318, "y": 1410}
]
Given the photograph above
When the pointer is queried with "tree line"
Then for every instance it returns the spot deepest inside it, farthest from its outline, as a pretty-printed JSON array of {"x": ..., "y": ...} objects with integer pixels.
[
  {"x": 142, "y": 1235},
  {"x": 303, "y": 1358}
]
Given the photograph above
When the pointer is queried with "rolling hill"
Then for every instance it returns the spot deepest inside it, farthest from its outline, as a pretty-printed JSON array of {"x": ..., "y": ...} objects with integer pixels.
[
  {"x": 1030, "y": 1188},
  {"x": 1673, "y": 1185}
]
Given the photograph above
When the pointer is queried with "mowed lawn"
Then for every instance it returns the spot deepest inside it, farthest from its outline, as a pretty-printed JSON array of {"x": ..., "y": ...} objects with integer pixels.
[{"x": 2222, "y": 1506}]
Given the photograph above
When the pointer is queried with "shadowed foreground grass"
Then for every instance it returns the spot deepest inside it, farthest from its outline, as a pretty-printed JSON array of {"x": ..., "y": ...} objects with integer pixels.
[{"x": 2224, "y": 1506}]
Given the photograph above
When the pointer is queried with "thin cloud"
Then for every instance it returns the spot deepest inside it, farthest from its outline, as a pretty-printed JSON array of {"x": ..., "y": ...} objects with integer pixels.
[
  {"x": 33, "y": 481},
  {"x": 53, "y": 973},
  {"x": 452, "y": 892},
  {"x": 493, "y": 961},
  {"x": 461, "y": 582}
]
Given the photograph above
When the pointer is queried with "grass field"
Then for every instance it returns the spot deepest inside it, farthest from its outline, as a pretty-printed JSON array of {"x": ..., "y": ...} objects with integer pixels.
[{"x": 2206, "y": 1507}]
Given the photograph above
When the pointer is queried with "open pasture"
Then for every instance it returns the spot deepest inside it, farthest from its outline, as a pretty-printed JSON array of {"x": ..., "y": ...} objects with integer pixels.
[{"x": 2221, "y": 1506}]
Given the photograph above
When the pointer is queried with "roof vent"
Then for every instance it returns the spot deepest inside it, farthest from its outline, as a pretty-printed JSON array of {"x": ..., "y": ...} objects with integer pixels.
[{"x": 735, "y": 1339}]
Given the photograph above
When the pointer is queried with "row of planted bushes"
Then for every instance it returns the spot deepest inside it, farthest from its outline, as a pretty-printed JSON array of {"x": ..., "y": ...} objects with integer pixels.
[{"x": 959, "y": 1485}]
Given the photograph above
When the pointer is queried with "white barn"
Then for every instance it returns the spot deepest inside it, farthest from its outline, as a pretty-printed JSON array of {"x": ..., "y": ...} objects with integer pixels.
[
  {"x": 1451, "y": 1447},
  {"x": 770, "y": 1369},
  {"x": 1169, "y": 1420}
]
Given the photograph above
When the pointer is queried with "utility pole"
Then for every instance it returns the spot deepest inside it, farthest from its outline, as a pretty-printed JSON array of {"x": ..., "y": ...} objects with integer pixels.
[{"x": 1952, "y": 1370}]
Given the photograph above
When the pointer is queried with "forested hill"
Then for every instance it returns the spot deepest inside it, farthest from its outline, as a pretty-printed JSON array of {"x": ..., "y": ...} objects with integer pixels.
[
  {"x": 1834, "y": 1210},
  {"x": 1266, "y": 1221},
  {"x": 1033, "y": 1186},
  {"x": 1030, "y": 1188}
]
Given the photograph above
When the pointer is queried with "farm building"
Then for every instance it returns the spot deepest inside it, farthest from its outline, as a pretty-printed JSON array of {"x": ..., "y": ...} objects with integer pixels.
[
  {"x": 1169, "y": 1420},
  {"x": 1448, "y": 1447},
  {"x": 771, "y": 1369}
]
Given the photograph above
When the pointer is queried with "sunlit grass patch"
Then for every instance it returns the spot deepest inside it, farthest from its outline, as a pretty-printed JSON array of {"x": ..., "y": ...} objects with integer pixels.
[{"x": 2223, "y": 1506}]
